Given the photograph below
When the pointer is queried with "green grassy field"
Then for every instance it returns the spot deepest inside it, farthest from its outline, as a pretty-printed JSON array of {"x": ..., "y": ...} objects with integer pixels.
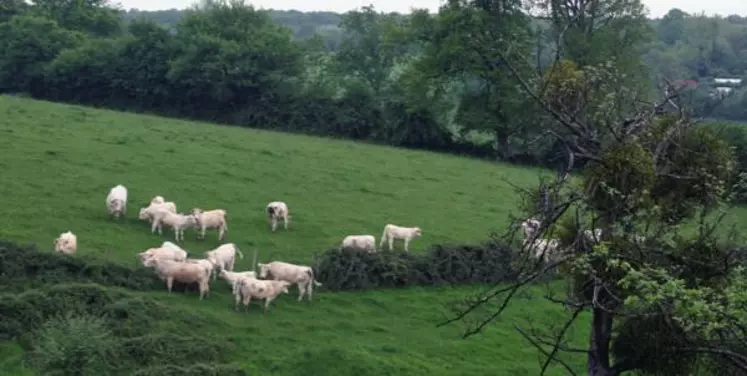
[{"x": 58, "y": 163}]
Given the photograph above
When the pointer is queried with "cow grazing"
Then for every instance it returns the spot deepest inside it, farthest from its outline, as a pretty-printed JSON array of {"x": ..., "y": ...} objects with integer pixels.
[
  {"x": 224, "y": 257},
  {"x": 66, "y": 243},
  {"x": 277, "y": 210},
  {"x": 359, "y": 242},
  {"x": 184, "y": 272},
  {"x": 392, "y": 232},
  {"x": 116, "y": 201},
  {"x": 216, "y": 219},
  {"x": 166, "y": 252},
  {"x": 301, "y": 275},
  {"x": 249, "y": 288}
]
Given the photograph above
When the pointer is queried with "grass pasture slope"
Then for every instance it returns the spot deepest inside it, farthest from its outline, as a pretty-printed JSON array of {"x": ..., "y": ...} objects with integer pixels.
[{"x": 59, "y": 161}]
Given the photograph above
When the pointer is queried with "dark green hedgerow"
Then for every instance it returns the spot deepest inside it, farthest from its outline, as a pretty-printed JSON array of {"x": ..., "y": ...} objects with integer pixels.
[
  {"x": 349, "y": 269},
  {"x": 23, "y": 267}
]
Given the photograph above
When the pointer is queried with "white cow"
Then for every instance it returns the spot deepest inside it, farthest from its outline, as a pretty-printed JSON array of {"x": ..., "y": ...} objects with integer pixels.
[
  {"x": 301, "y": 275},
  {"x": 256, "y": 288},
  {"x": 359, "y": 242},
  {"x": 166, "y": 252},
  {"x": 216, "y": 218},
  {"x": 533, "y": 225},
  {"x": 184, "y": 272},
  {"x": 177, "y": 221},
  {"x": 233, "y": 277},
  {"x": 116, "y": 201},
  {"x": 66, "y": 243},
  {"x": 205, "y": 263},
  {"x": 147, "y": 213},
  {"x": 392, "y": 232},
  {"x": 224, "y": 257},
  {"x": 277, "y": 210},
  {"x": 544, "y": 248}
]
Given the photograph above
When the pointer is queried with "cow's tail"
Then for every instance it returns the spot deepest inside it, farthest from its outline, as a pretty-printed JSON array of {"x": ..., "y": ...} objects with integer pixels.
[
  {"x": 310, "y": 273},
  {"x": 241, "y": 255}
]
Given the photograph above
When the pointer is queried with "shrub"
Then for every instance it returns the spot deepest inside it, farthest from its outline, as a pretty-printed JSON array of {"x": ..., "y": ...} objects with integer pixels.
[
  {"x": 75, "y": 345},
  {"x": 349, "y": 269},
  {"x": 127, "y": 332},
  {"x": 194, "y": 370}
]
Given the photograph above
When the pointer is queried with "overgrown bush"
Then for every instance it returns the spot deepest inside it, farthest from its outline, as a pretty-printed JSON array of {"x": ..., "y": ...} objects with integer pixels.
[
  {"x": 74, "y": 345},
  {"x": 113, "y": 332},
  {"x": 193, "y": 370},
  {"x": 736, "y": 136},
  {"x": 349, "y": 269}
]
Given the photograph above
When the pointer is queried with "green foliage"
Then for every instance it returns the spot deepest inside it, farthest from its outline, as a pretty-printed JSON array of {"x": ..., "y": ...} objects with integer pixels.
[
  {"x": 443, "y": 264},
  {"x": 699, "y": 156},
  {"x": 28, "y": 43},
  {"x": 621, "y": 180},
  {"x": 82, "y": 329},
  {"x": 735, "y": 135},
  {"x": 73, "y": 345},
  {"x": 93, "y": 17},
  {"x": 193, "y": 370}
]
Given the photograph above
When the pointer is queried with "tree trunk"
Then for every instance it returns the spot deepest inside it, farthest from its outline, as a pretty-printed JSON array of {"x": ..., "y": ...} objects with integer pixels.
[{"x": 598, "y": 358}]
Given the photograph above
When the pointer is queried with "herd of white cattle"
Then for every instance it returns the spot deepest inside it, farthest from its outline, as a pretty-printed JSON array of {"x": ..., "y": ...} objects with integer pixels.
[{"x": 171, "y": 262}]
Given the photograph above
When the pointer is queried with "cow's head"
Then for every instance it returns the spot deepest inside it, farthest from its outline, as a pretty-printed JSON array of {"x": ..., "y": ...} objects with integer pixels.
[{"x": 264, "y": 269}]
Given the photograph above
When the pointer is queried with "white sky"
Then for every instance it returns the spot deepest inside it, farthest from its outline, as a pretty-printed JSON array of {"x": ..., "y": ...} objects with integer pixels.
[{"x": 657, "y": 7}]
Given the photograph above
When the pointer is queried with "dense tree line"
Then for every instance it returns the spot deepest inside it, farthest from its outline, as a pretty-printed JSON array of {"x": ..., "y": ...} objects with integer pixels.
[{"x": 406, "y": 80}]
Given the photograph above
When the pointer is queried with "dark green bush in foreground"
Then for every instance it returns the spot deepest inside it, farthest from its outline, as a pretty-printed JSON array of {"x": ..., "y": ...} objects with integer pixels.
[
  {"x": 349, "y": 269},
  {"x": 89, "y": 329}
]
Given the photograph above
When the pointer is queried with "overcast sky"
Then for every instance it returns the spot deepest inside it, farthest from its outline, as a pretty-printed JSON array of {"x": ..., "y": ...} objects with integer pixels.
[{"x": 657, "y": 7}]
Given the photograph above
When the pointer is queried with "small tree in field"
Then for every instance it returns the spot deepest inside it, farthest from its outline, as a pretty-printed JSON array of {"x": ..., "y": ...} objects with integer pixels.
[{"x": 663, "y": 286}]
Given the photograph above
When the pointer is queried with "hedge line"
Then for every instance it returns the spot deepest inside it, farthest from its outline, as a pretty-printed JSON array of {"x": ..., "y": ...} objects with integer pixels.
[{"x": 489, "y": 262}]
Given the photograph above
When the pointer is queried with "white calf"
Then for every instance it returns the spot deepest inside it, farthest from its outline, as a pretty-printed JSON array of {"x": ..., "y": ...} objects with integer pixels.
[
  {"x": 359, "y": 242},
  {"x": 301, "y": 275},
  {"x": 233, "y": 277},
  {"x": 66, "y": 243},
  {"x": 216, "y": 218},
  {"x": 151, "y": 210},
  {"x": 178, "y": 222},
  {"x": 116, "y": 201},
  {"x": 277, "y": 210},
  {"x": 184, "y": 272},
  {"x": 224, "y": 257},
  {"x": 256, "y": 288},
  {"x": 392, "y": 232}
]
